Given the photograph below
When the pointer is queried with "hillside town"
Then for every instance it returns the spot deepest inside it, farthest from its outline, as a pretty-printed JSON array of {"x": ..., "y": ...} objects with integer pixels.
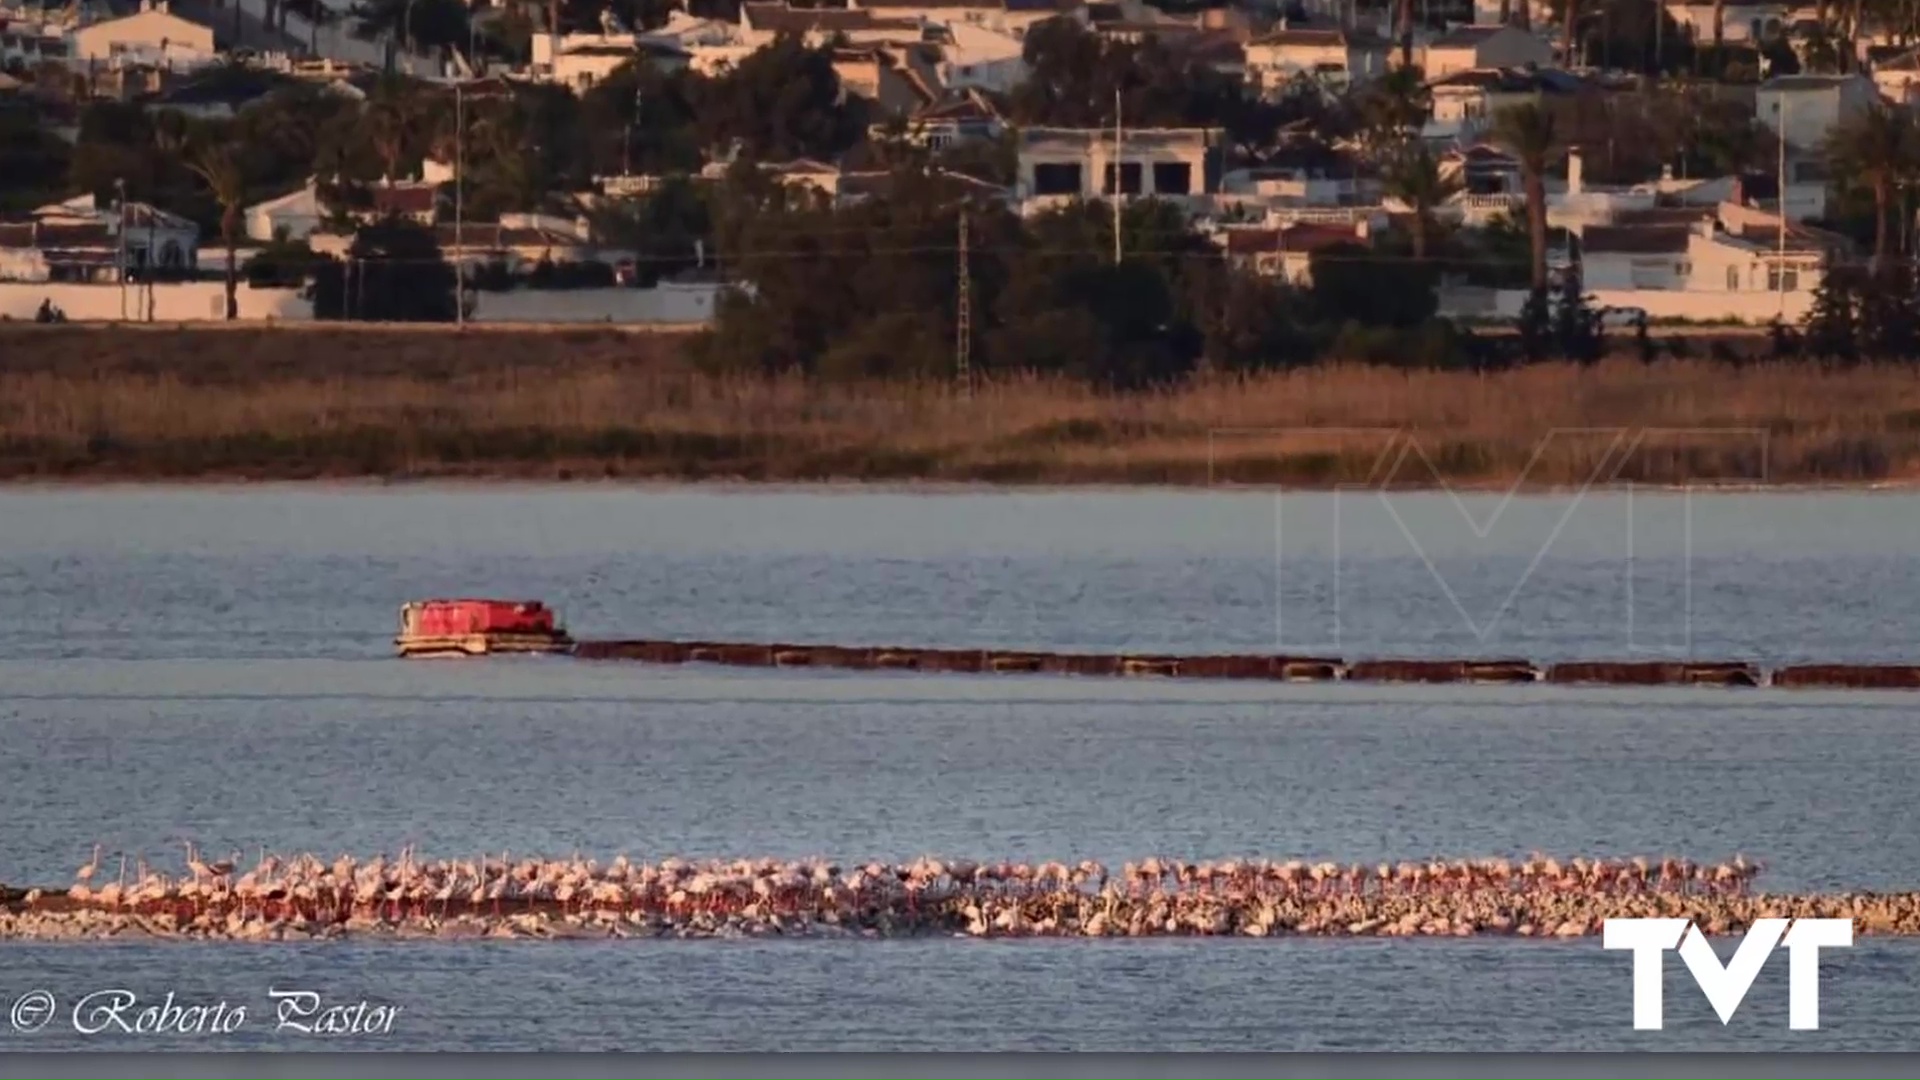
[{"x": 964, "y": 181}]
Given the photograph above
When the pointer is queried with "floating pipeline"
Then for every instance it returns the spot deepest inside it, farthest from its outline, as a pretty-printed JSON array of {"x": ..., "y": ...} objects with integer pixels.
[{"x": 1282, "y": 668}]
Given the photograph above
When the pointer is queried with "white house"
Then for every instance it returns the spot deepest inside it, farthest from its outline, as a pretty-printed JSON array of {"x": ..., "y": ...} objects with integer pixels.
[
  {"x": 1465, "y": 102},
  {"x": 293, "y": 215},
  {"x": 981, "y": 58},
  {"x": 1495, "y": 12},
  {"x": 1060, "y": 164},
  {"x": 1899, "y": 77},
  {"x": 79, "y": 240},
  {"x": 1740, "y": 23},
  {"x": 1731, "y": 262},
  {"x": 961, "y": 117},
  {"x": 1804, "y": 108},
  {"x": 761, "y": 23},
  {"x": 30, "y": 36},
  {"x": 298, "y": 214},
  {"x": 1335, "y": 55},
  {"x": 1467, "y": 47},
  {"x": 1013, "y": 17},
  {"x": 154, "y": 34},
  {"x": 1287, "y": 251}
]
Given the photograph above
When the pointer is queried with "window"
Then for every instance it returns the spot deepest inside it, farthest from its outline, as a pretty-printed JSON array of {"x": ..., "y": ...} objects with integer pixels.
[
  {"x": 1775, "y": 284},
  {"x": 1056, "y": 179},
  {"x": 939, "y": 140},
  {"x": 1683, "y": 268},
  {"x": 1733, "y": 279},
  {"x": 1172, "y": 178},
  {"x": 1129, "y": 179}
]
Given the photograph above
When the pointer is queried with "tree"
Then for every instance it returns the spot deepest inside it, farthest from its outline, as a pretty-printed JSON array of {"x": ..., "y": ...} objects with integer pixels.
[
  {"x": 421, "y": 25},
  {"x": 392, "y": 124},
  {"x": 1527, "y": 132},
  {"x": 1395, "y": 106},
  {"x": 394, "y": 273},
  {"x": 585, "y": 16},
  {"x": 37, "y": 162},
  {"x": 667, "y": 228},
  {"x": 1074, "y": 75},
  {"x": 781, "y": 102},
  {"x": 1833, "y": 324},
  {"x": 1576, "y": 326},
  {"x": 1877, "y": 147},
  {"x": 1403, "y": 31},
  {"x": 218, "y": 166},
  {"x": 1351, "y": 284},
  {"x": 1412, "y": 175}
]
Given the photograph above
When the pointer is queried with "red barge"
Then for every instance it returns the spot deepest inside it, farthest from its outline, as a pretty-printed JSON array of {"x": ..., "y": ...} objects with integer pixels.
[{"x": 479, "y": 627}]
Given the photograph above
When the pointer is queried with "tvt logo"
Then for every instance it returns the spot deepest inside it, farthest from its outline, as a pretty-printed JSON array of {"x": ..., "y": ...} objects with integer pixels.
[{"x": 1726, "y": 985}]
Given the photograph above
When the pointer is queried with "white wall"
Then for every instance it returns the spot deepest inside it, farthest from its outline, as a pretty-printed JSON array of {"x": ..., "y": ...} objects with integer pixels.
[
  {"x": 667, "y": 304},
  {"x": 184, "y": 301},
  {"x": 1756, "y": 309},
  {"x": 336, "y": 41},
  {"x": 205, "y": 301}
]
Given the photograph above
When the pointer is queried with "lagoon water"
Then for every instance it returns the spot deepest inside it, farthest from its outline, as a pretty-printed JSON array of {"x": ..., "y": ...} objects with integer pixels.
[{"x": 214, "y": 664}]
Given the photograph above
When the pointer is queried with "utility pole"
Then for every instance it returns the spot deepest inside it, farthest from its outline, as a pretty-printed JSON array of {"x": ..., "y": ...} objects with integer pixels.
[
  {"x": 963, "y": 307},
  {"x": 459, "y": 207},
  {"x": 1118, "y": 137},
  {"x": 1780, "y": 272},
  {"x": 1659, "y": 31},
  {"x": 120, "y": 209},
  {"x": 152, "y": 259}
]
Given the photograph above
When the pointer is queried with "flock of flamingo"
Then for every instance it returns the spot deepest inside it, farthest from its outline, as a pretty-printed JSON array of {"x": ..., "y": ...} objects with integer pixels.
[{"x": 305, "y": 896}]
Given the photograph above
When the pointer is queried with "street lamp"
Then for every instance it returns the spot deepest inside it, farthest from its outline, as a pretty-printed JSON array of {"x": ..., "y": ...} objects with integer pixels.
[{"x": 459, "y": 216}]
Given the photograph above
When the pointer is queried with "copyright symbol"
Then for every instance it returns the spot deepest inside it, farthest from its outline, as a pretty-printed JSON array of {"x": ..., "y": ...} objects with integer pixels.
[{"x": 31, "y": 1011}]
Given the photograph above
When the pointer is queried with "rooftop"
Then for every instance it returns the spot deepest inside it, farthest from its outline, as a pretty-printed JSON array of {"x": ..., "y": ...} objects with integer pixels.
[
  {"x": 1636, "y": 239},
  {"x": 1132, "y": 138},
  {"x": 1320, "y": 38},
  {"x": 1806, "y": 82},
  {"x": 1467, "y": 37},
  {"x": 1299, "y": 237},
  {"x": 781, "y": 18}
]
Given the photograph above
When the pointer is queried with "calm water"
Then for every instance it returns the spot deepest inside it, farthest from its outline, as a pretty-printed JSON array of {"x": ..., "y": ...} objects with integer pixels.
[{"x": 214, "y": 664}]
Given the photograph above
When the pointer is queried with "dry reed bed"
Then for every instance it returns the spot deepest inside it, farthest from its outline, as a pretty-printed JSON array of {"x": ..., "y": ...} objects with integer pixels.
[{"x": 586, "y": 403}]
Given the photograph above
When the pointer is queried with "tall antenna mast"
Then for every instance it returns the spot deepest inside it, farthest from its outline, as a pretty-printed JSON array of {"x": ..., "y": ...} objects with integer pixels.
[
  {"x": 1118, "y": 183},
  {"x": 963, "y": 303}
]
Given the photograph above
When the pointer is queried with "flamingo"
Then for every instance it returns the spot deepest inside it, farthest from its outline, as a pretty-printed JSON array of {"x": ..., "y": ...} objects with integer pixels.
[{"x": 85, "y": 873}]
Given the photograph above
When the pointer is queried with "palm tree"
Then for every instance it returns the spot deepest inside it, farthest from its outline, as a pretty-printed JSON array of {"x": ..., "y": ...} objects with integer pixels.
[
  {"x": 392, "y": 119},
  {"x": 1879, "y": 148},
  {"x": 1403, "y": 28},
  {"x": 1395, "y": 105},
  {"x": 1526, "y": 132},
  {"x": 218, "y": 165},
  {"x": 1413, "y": 177}
]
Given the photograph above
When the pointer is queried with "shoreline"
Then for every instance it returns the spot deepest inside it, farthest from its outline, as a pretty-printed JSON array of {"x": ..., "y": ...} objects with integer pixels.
[{"x": 931, "y": 488}]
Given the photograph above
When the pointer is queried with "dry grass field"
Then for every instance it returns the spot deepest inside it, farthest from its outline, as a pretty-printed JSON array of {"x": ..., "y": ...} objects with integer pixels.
[{"x": 138, "y": 403}]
